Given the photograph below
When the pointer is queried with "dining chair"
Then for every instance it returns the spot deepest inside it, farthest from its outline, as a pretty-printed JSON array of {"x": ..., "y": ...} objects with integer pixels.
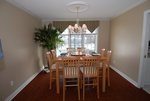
[
  {"x": 71, "y": 73},
  {"x": 81, "y": 50},
  {"x": 106, "y": 63},
  {"x": 103, "y": 52},
  {"x": 71, "y": 50},
  {"x": 52, "y": 68},
  {"x": 90, "y": 73},
  {"x": 53, "y": 54}
]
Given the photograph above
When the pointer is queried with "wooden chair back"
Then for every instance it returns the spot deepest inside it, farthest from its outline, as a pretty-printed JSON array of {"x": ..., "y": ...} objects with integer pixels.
[
  {"x": 81, "y": 49},
  {"x": 49, "y": 58},
  {"x": 70, "y": 50},
  {"x": 71, "y": 67},
  {"x": 108, "y": 56},
  {"x": 90, "y": 66},
  {"x": 103, "y": 52},
  {"x": 54, "y": 56}
]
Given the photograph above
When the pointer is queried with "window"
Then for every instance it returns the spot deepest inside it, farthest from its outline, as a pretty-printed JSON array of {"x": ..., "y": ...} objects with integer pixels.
[{"x": 75, "y": 40}]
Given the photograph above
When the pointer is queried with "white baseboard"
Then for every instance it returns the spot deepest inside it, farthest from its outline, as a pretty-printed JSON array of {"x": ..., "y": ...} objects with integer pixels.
[
  {"x": 42, "y": 68},
  {"x": 10, "y": 97},
  {"x": 147, "y": 88},
  {"x": 125, "y": 76},
  {"x": 148, "y": 91}
]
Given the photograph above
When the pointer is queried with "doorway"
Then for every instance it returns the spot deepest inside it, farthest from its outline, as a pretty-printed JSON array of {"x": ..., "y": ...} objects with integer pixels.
[{"x": 144, "y": 73}]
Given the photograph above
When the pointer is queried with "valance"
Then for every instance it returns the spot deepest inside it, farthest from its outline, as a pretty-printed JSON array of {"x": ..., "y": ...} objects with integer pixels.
[{"x": 62, "y": 25}]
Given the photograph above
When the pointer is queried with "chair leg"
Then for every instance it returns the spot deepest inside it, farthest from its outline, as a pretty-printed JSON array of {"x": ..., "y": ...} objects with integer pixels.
[
  {"x": 83, "y": 88},
  {"x": 98, "y": 87},
  {"x": 50, "y": 85},
  {"x": 78, "y": 89},
  {"x": 64, "y": 89},
  {"x": 94, "y": 82},
  {"x": 108, "y": 77},
  {"x": 81, "y": 81}
]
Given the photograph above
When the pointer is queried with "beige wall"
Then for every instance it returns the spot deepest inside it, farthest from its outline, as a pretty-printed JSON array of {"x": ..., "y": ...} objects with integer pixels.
[
  {"x": 21, "y": 54},
  {"x": 104, "y": 38},
  {"x": 126, "y": 37}
]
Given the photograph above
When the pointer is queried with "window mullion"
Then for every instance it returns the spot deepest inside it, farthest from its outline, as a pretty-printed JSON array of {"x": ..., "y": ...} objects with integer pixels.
[{"x": 69, "y": 40}]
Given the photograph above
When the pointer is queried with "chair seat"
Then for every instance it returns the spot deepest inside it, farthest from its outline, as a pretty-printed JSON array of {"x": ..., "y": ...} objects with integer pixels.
[
  {"x": 71, "y": 72},
  {"x": 89, "y": 72},
  {"x": 53, "y": 67}
]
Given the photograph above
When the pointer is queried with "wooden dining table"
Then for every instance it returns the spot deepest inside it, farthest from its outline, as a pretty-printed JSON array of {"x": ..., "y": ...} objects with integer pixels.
[{"x": 59, "y": 60}]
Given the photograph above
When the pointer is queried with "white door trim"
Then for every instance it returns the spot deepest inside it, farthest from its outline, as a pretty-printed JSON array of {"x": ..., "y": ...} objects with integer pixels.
[{"x": 140, "y": 76}]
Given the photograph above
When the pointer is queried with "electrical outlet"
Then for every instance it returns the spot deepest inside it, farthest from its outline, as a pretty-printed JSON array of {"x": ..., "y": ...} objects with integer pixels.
[{"x": 11, "y": 83}]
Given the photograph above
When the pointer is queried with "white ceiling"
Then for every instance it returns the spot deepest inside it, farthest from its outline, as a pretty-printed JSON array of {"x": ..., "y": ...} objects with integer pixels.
[{"x": 57, "y": 9}]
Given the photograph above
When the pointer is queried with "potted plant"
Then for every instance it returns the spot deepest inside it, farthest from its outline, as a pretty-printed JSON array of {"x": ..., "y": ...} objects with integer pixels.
[{"x": 48, "y": 37}]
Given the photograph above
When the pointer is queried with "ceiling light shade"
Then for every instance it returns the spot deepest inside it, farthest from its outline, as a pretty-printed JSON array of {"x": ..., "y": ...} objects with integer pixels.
[{"x": 77, "y": 7}]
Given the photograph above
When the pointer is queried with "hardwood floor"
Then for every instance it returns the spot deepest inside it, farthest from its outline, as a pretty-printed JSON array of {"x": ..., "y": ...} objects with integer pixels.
[{"x": 120, "y": 90}]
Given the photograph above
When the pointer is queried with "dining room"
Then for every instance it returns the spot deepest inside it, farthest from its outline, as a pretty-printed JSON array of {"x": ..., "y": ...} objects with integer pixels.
[{"x": 68, "y": 50}]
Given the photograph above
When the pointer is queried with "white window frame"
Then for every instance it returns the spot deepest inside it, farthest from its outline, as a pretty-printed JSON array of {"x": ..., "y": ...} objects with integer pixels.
[{"x": 66, "y": 33}]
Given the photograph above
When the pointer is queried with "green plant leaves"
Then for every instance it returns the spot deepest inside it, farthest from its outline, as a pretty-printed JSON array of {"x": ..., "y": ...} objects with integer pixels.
[{"x": 48, "y": 37}]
